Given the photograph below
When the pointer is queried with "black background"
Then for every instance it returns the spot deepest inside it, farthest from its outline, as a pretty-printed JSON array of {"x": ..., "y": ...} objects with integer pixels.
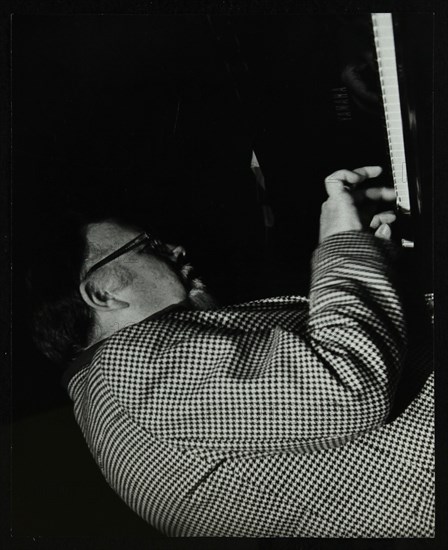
[{"x": 142, "y": 112}]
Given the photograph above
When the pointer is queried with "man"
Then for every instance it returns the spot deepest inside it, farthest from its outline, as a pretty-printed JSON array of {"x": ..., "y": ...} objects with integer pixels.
[{"x": 262, "y": 419}]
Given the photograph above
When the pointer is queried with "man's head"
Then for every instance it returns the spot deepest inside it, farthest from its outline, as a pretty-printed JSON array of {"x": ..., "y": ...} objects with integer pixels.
[{"x": 85, "y": 291}]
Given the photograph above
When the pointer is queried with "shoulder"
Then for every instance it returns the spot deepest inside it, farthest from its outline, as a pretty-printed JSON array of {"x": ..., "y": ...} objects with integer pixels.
[
  {"x": 156, "y": 334},
  {"x": 148, "y": 353}
]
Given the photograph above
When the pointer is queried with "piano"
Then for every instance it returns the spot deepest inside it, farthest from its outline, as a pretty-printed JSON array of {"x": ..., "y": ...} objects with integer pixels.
[
  {"x": 325, "y": 92},
  {"x": 400, "y": 120}
]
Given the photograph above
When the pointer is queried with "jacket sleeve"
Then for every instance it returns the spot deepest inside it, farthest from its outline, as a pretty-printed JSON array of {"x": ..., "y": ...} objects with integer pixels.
[
  {"x": 297, "y": 377},
  {"x": 356, "y": 327}
]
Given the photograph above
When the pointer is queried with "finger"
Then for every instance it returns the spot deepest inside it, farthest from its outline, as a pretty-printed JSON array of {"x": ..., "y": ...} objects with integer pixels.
[
  {"x": 337, "y": 181},
  {"x": 381, "y": 193},
  {"x": 368, "y": 172},
  {"x": 383, "y": 232},
  {"x": 383, "y": 217}
]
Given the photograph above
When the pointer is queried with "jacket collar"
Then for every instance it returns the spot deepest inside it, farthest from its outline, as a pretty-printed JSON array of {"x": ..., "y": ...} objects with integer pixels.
[{"x": 84, "y": 359}]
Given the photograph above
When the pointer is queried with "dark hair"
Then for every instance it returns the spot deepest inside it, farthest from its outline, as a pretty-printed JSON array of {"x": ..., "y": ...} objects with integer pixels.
[{"x": 61, "y": 321}]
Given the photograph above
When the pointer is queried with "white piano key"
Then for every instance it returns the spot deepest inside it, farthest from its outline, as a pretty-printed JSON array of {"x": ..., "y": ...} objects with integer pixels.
[
  {"x": 402, "y": 177},
  {"x": 382, "y": 16},
  {"x": 393, "y": 110},
  {"x": 385, "y": 49},
  {"x": 396, "y": 138},
  {"x": 397, "y": 161},
  {"x": 393, "y": 126},
  {"x": 401, "y": 185},
  {"x": 389, "y": 93},
  {"x": 388, "y": 74},
  {"x": 388, "y": 61},
  {"x": 384, "y": 32}
]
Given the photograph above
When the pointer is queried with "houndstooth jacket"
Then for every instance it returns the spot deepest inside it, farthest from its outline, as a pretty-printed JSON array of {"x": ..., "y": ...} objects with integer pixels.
[{"x": 270, "y": 418}]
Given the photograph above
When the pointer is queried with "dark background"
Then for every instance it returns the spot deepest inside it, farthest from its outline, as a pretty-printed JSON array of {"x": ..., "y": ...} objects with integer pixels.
[{"x": 158, "y": 116}]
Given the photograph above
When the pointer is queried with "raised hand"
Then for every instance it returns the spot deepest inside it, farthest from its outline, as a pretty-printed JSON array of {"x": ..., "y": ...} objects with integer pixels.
[{"x": 340, "y": 212}]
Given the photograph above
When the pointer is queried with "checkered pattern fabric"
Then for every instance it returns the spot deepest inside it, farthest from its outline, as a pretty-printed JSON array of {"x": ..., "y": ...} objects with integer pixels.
[{"x": 268, "y": 418}]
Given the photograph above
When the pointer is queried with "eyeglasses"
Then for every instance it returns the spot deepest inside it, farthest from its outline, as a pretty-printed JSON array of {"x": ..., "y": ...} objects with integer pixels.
[{"x": 143, "y": 238}]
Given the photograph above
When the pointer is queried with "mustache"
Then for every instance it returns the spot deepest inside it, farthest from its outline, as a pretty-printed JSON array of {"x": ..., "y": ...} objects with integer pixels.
[
  {"x": 188, "y": 273},
  {"x": 198, "y": 296}
]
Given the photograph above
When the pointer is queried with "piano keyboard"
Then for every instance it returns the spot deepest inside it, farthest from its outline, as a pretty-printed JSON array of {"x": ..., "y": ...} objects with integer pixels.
[{"x": 387, "y": 66}]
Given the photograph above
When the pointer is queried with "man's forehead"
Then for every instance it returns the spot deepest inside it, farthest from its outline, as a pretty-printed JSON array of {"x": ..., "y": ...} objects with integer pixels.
[{"x": 109, "y": 235}]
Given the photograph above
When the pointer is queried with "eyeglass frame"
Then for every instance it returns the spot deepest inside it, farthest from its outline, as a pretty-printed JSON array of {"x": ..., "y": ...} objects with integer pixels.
[{"x": 131, "y": 245}]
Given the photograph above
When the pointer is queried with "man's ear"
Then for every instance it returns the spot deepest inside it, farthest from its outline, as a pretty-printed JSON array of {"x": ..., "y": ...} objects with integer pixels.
[{"x": 100, "y": 300}]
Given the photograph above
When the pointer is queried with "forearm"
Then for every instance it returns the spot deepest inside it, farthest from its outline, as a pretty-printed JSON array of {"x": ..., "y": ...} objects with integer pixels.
[{"x": 356, "y": 324}]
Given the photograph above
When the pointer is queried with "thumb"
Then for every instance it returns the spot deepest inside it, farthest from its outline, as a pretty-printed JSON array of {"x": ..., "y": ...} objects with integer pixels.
[{"x": 384, "y": 231}]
